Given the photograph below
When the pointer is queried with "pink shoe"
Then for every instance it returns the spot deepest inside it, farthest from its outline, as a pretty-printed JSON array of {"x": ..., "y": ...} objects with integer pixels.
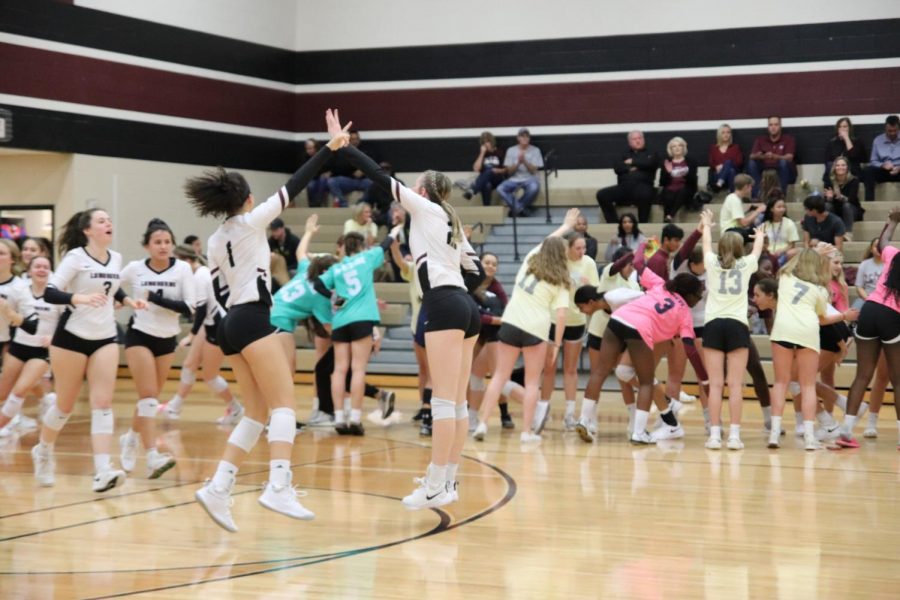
[{"x": 847, "y": 443}]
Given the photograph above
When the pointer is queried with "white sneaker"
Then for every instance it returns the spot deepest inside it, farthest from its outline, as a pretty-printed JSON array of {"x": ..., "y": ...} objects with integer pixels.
[
  {"x": 128, "y": 445},
  {"x": 480, "y": 432},
  {"x": 828, "y": 434},
  {"x": 735, "y": 443},
  {"x": 44, "y": 466},
  {"x": 283, "y": 499},
  {"x": 528, "y": 437},
  {"x": 10, "y": 428},
  {"x": 217, "y": 504},
  {"x": 108, "y": 479},
  {"x": 168, "y": 412},
  {"x": 320, "y": 419},
  {"x": 569, "y": 422},
  {"x": 811, "y": 443},
  {"x": 422, "y": 497},
  {"x": 686, "y": 398},
  {"x": 584, "y": 431},
  {"x": 231, "y": 417},
  {"x": 158, "y": 463},
  {"x": 713, "y": 443},
  {"x": 870, "y": 433},
  {"x": 774, "y": 438},
  {"x": 799, "y": 431},
  {"x": 26, "y": 424},
  {"x": 642, "y": 438},
  {"x": 454, "y": 491},
  {"x": 386, "y": 401},
  {"x": 667, "y": 432}
]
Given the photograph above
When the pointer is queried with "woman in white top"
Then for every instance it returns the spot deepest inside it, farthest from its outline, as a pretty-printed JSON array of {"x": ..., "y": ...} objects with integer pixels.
[
  {"x": 628, "y": 236},
  {"x": 362, "y": 223},
  {"x": 31, "y": 247},
  {"x": 239, "y": 264},
  {"x": 84, "y": 343},
  {"x": 447, "y": 267},
  {"x": 781, "y": 232},
  {"x": 167, "y": 284}
]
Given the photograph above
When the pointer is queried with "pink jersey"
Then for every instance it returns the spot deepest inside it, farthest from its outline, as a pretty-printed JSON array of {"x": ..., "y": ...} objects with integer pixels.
[
  {"x": 658, "y": 315},
  {"x": 881, "y": 295},
  {"x": 838, "y": 296}
]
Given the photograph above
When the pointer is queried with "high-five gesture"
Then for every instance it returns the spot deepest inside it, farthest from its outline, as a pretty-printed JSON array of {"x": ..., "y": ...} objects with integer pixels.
[{"x": 339, "y": 135}]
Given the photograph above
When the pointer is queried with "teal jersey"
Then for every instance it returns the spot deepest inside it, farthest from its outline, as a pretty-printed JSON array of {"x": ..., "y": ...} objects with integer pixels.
[
  {"x": 297, "y": 300},
  {"x": 352, "y": 279}
]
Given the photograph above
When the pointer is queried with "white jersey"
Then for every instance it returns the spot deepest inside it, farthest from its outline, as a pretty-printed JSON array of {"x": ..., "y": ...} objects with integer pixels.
[
  {"x": 204, "y": 290},
  {"x": 239, "y": 254},
  {"x": 47, "y": 315},
  {"x": 438, "y": 260},
  {"x": 80, "y": 273},
  {"x": 13, "y": 291},
  {"x": 175, "y": 282}
]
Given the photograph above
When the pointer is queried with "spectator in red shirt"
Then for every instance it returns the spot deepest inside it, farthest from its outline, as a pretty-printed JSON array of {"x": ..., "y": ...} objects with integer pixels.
[
  {"x": 773, "y": 151},
  {"x": 678, "y": 179},
  {"x": 725, "y": 160},
  {"x": 669, "y": 246}
]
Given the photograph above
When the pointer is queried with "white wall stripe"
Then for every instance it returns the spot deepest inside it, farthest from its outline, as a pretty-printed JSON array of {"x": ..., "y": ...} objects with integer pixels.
[
  {"x": 466, "y": 132},
  {"x": 423, "y": 84}
]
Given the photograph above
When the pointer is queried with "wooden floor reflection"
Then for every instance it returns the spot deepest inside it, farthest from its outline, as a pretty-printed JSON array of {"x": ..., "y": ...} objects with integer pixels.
[{"x": 560, "y": 520}]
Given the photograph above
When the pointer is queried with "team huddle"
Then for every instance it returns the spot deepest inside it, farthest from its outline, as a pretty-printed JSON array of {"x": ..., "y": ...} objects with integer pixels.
[{"x": 633, "y": 318}]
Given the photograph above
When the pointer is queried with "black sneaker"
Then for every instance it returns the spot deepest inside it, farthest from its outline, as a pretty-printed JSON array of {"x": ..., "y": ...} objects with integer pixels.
[
  {"x": 418, "y": 415},
  {"x": 507, "y": 422},
  {"x": 425, "y": 429},
  {"x": 356, "y": 429},
  {"x": 386, "y": 402},
  {"x": 342, "y": 428}
]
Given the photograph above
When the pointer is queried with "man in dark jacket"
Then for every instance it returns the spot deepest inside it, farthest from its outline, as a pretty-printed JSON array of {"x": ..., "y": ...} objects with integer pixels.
[
  {"x": 285, "y": 243},
  {"x": 636, "y": 171}
]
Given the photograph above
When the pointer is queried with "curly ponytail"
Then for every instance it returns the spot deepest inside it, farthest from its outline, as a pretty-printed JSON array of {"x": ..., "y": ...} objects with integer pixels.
[{"x": 217, "y": 193}]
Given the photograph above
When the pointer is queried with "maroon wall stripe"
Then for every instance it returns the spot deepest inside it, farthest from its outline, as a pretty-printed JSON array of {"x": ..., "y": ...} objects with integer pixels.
[{"x": 64, "y": 77}]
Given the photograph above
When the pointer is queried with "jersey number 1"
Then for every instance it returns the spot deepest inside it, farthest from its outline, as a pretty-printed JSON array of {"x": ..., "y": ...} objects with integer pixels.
[{"x": 230, "y": 255}]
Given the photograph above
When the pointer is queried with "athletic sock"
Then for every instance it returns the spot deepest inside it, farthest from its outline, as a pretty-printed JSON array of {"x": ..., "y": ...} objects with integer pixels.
[
  {"x": 809, "y": 428},
  {"x": 873, "y": 420},
  {"x": 279, "y": 472},
  {"x": 715, "y": 432},
  {"x": 451, "y": 471},
  {"x": 355, "y": 415},
  {"x": 570, "y": 408},
  {"x": 847, "y": 427},
  {"x": 776, "y": 423},
  {"x": 798, "y": 419},
  {"x": 825, "y": 419},
  {"x": 436, "y": 476},
  {"x": 587, "y": 410},
  {"x": 225, "y": 474},
  {"x": 101, "y": 462},
  {"x": 640, "y": 420},
  {"x": 734, "y": 431},
  {"x": 175, "y": 403}
]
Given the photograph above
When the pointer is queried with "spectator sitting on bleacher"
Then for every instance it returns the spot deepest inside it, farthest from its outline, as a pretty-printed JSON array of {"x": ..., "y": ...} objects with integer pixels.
[
  {"x": 867, "y": 273},
  {"x": 362, "y": 223},
  {"x": 317, "y": 188},
  {"x": 282, "y": 241},
  {"x": 522, "y": 162},
  {"x": 845, "y": 144},
  {"x": 725, "y": 160},
  {"x": 842, "y": 194},
  {"x": 490, "y": 169},
  {"x": 781, "y": 232},
  {"x": 775, "y": 150},
  {"x": 590, "y": 242},
  {"x": 346, "y": 178},
  {"x": 884, "y": 162},
  {"x": 732, "y": 215},
  {"x": 629, "y": 236},
  {"x": 677, "y": 179},
  {"x": 769, "y": 187},
  {"x": 636, "y": 172},
  {"x": 819, "y": 225}
]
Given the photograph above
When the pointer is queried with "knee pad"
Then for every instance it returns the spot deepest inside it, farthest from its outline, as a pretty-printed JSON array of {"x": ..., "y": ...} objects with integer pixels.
[
  {"x": 508, "y": 388},
  {"x": 476, "y": 384},
  {"x": 146, "y": 407},
  {"x": 282, "y": 425},
  {"x": 187, "y": 376},
  {"x": 245, "y": 434},
  {"x": 625, "y": 372},
  {"x": 794, "y": 388},
  {"x": 55, "y": 419},
  {"x": 442, "y": 409},
  {"x": 12, "y": 406},
  {"x": 462, "y": 411},
  {"x": 102, "y": 421},
  {"x": 217, "y": 384}
]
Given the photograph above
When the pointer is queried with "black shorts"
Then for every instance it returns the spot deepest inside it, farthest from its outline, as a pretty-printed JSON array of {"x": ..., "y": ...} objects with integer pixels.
[
  {"x": 789, "y": 345},
  {"x": 698, "y": 333},
  {"x": 25, "y": 353},
  {"x": 572, "y": 333},
  {"x": 513, "y": 336},
  {"x": 831, "y": 336},
  {"x": 450, "y": 307},
  {"x": 623, "y": 331},
  {"x": 419, "y": 336},
  {"x": 726, "y": 335},
  {"x": 878, "y": 322},
  {"x": 212, "y": 334},
  {"x": 156, "y": 345},
  {"x": 518, "y": 376},
  {"x": 353, "y": 331},
  {"x": 489, "y": 334},
  {"x": 69, "y": 341},
  {"x": 243, "y": 325},
  {"x": 593, "y": 341}
]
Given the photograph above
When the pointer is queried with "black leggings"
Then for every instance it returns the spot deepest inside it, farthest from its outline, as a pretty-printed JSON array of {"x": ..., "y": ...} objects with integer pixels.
[
  {"x": 323, "y": 371},
  {"x": 755, "y": 369}
]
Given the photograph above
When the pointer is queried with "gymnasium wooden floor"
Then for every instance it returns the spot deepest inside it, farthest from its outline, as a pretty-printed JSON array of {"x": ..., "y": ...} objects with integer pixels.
[{"x": 560, "y": 520}]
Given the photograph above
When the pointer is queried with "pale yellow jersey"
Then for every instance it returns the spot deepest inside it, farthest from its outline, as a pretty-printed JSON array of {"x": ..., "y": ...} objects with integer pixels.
[
  {"x": 608, "y": 282},
  {"x": 533, "y": 305},
  {"x": 797, "y": 318},
  {"x": 731, "y": 213},
  {"x": 781, "y": 235},
  {"x": 582, "y": 272},
  {"x": 726, "y": 289}
]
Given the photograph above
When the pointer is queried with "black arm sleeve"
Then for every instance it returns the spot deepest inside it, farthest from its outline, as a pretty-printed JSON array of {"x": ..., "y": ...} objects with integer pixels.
[
  {"x": 473, "y": 279},
  {"x": 30, "y": 324},
  {"x": 386, "y": 243},
  {"x": 120, "y": 295},
  {"x": 179, "y": 306},
  {"x": 54, "y": 296},
  {"x": 199, "y": 317},
  {"x": 368, "y": 166},
  {"x": 320, "y": 288},
  {"x": 299, "y": 180}
]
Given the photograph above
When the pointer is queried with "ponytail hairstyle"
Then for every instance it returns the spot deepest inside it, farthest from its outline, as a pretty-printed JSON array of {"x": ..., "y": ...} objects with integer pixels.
[
  {"x": 808, "y": 266},
  {"x": 354, "y": 243},
  {"x": 187, "y": 253},
  {"x": 587, "y": 293},
  {"x": 72, "y": 235},
  {"x": 438, "y": 186},
  {"x": 731, "y": 248},
  {"x": 319, "y": 265},
  {"x": 685, "y": 284},
  {"x": 153, "y": 226},
  {"x": 550, "y": 263},
  {"x": 219, "y": 193}
]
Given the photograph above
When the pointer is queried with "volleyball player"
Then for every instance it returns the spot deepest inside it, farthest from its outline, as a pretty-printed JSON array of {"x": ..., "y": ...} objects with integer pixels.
[
  {"x": 84, "y": 343},
  {"x": 447, "y": 267},
  {"x": 239, "y": 264},
  {"x": 167, "y": 284}
]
